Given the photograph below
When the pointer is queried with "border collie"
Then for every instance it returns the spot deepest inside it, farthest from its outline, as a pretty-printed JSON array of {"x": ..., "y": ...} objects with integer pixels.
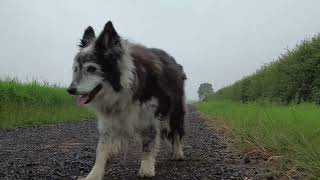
[{"x": 134, "y": 91}]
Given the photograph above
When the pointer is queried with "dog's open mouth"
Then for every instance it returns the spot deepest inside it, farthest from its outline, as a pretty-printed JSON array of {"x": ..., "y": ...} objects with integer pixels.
[{"x": 87, "y": 98}]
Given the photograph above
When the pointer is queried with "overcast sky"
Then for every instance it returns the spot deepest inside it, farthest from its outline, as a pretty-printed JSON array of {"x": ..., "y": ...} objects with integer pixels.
[{"x": 217, "y": 41}]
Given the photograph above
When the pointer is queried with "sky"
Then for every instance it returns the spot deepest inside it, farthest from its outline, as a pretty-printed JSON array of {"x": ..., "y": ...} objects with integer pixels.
[{"x": 217, "y": 41}]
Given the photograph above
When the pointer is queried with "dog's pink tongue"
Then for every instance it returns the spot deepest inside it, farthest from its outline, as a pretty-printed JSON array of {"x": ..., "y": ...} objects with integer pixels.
[{"x": 82, "y": 99}]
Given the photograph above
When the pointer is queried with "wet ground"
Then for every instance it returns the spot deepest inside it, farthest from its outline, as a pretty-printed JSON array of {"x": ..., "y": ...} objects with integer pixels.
[{"x": 66, "y": 151}]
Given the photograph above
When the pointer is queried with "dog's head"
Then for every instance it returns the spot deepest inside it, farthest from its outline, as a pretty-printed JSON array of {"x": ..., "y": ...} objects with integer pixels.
[{"x": 97, "y": 66}]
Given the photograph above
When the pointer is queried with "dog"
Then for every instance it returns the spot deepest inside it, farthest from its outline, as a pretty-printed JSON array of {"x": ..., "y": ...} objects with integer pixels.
[{"x": 135, "y": 91}]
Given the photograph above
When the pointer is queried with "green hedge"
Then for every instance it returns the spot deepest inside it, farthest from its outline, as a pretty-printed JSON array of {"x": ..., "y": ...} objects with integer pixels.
[{"x": 293, "y": 78}]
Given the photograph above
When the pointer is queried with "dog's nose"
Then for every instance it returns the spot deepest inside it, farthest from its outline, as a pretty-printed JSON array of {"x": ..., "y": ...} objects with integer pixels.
[{"x": 72, "y": 91}]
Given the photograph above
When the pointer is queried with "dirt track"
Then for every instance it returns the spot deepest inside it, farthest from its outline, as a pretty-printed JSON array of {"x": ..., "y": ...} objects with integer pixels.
[{"x": 68, "y": 150}]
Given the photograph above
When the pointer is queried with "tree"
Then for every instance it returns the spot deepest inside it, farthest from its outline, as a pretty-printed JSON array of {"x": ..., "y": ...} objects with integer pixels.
[{"x": 204, "y": 90}]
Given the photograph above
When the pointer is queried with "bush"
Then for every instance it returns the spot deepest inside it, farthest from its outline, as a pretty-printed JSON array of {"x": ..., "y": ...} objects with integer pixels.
[{"x": 293, "y": 78}]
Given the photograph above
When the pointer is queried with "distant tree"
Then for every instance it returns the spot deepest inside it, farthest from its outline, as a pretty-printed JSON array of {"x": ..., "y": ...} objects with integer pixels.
[{"x": 204, "y": 90}]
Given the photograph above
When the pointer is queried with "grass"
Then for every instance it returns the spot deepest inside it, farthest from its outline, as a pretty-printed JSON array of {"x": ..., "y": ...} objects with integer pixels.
[
  {"x": 34, "y": 103},
  {"x": 289, "y": 133}
]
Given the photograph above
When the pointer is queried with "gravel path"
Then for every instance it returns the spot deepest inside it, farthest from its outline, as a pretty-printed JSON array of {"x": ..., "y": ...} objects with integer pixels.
[{"x": 66, "y": 151}]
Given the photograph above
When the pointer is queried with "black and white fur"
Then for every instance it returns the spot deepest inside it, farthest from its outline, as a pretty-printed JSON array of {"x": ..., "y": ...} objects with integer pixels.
[{"x": 134, "y": 90}]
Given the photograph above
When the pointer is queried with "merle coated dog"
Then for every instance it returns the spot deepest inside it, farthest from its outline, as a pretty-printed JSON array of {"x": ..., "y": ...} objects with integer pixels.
[{"x": 135, "y": 91}]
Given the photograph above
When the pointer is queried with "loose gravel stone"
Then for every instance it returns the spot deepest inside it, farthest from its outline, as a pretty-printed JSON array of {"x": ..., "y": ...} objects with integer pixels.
[{"x": 67, "y": 151}]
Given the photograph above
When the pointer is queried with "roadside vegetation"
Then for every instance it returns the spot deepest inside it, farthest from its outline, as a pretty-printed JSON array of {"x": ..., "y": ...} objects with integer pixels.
[
  {"x": 34, "y": 103},
  {"x": 293, "y": 78},
  {"x": 275, "y": 111},
  {"x": 288, "y": 134}
]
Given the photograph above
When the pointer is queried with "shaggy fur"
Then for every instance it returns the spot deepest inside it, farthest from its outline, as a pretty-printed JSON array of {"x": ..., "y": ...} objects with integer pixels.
[{"x": 134, "y": 90}]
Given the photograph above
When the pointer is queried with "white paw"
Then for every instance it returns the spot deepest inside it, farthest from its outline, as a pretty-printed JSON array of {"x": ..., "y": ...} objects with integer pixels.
[
  {"x": 178, "y": 156},
  {"x": 90, "y": 178},
  {"x": 149, "y": 172},
  {"x": 147, "y": 169}
]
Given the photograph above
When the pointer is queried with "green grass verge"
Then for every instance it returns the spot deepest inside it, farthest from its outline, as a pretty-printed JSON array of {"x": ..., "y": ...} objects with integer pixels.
[
  {"x": 291, "y": 132},
  {"x": 33, "y": 103}
]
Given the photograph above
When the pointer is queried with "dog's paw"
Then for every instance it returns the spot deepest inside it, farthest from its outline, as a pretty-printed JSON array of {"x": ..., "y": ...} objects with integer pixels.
[
  {"x": 178, "y": 156},
  {"x": 89, "y": 178},
  {"x": 146, "y": 171}
]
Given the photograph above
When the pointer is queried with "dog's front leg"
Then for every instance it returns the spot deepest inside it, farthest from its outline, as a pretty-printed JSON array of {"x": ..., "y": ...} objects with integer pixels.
[
  {"x": 150, "y": 148},
  {"x": 105, "y": 149}
]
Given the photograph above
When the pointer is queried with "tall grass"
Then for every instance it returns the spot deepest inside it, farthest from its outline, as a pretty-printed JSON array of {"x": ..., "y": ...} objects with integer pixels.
[
  {"x": 34, "y": 103},
  {"x": 291, "y": 133}
]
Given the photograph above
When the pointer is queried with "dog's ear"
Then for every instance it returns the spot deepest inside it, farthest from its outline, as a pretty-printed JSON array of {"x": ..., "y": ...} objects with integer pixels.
[
  {"x": 108, "y": 38},
  {"x": 87, "y": 38}
]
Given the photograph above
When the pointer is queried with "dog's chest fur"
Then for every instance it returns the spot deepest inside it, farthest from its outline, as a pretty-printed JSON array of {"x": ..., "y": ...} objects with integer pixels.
[{"x": 132, "y": 120}]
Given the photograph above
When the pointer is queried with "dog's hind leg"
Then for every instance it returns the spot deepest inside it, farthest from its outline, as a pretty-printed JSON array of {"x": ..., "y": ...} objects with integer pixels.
[
  {"x": 177, "y": 129},
  {"x": 177, "y": 147},
  {"x": 150, "y": 147}
]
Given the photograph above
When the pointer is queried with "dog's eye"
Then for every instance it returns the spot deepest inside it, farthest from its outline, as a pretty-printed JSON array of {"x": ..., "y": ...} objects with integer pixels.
[
  {"x": 91, "y": 69},
  {"x": 75, "y": 69}
]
